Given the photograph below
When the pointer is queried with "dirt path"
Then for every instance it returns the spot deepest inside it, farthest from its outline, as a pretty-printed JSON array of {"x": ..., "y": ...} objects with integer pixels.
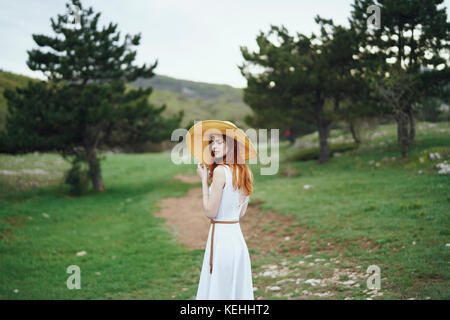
[
  {"x": 293, "y": 272},
  {"x": 262, "y": 231}
]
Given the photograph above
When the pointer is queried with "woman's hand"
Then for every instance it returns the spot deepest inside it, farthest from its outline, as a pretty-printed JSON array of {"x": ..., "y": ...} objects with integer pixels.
[{"x": 202, "y": 171}]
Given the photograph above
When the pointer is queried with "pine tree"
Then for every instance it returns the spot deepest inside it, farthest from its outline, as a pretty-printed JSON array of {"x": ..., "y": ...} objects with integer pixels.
[
  {"x": 84, "y": 105},
  {"x": 305, "y": 79},
  {"x": 411, "y": 47}
]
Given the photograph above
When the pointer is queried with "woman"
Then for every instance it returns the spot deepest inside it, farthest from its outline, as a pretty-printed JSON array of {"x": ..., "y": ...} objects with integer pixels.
[{"x": 226, "y": 271}]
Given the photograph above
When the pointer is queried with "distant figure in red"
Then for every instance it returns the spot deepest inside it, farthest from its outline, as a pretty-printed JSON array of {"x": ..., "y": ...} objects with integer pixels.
[{"x": 289, "y": 136}]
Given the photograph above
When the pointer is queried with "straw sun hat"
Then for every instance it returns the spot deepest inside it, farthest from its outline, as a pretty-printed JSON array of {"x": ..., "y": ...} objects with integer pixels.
[{"x": 197, "y": 140}]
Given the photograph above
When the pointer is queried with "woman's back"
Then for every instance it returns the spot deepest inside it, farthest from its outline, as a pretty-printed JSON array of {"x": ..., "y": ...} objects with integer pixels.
[{"x": 229, "y": 208}]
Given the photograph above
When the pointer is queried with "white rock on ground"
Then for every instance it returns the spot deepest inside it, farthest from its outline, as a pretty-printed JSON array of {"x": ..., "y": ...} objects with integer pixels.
[
  {"x": 313, "y": 282},
  {"x": 274, "y": 288}
]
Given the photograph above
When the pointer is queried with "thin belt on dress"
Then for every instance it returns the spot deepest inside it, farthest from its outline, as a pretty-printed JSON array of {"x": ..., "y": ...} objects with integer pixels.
[{"x": 213, "y": 222}]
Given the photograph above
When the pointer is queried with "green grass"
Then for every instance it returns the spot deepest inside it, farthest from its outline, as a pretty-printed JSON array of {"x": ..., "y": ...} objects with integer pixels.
[
  {"x": 135, "y": 256},
  {"x": 392, "y": 204},
  {"x": 313, "y": 152},
  {"x": 131, "y": 255}
]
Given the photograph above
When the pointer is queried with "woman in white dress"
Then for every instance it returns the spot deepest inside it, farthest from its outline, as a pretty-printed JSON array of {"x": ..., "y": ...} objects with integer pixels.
[{"x": 226, "y": 271}]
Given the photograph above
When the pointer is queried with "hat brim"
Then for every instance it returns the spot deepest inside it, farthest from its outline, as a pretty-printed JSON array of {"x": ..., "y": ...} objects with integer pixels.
[{"x": 197, "y": 140}]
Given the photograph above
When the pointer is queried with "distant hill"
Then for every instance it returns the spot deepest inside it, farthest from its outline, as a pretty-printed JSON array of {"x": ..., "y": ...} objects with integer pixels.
[
  {"x": 190, "y": 89},
  {"x": 9, "y": 80},
  {"x": 200, "y": 100}
]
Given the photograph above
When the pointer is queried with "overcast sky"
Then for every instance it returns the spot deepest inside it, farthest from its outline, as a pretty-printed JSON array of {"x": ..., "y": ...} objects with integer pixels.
[{"x": 195, "y": 40}]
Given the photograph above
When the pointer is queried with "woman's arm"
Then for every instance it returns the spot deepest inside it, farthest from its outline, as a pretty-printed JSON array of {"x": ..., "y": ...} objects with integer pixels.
[
  {"x": 211, "y": 202},
  {"x": 244, "y": 207},
  {"x": 243, "y": 210},
  {"x": 247, "y": 198}
]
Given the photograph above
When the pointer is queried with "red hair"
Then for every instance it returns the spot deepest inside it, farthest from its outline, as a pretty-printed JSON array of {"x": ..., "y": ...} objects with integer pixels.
[{"x": 245, "y": 180}]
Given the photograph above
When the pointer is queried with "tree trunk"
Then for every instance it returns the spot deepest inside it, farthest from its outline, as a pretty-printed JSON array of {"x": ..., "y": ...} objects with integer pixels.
[
  {"x": 353, "y": 132},
  {"x": 402, "y": 131},
  {"x": 95, "y": 170},
  {"x": 412, "y": 125}
]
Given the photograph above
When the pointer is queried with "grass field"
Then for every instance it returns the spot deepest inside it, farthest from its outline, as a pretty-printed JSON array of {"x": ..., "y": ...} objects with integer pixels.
[{"x": 398, "y": 207}]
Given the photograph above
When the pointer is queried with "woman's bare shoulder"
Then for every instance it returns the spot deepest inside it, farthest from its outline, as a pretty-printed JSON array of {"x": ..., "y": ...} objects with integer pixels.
[
  {"x": 220, "y": 166},
  {"x": 220, "y": 173}
]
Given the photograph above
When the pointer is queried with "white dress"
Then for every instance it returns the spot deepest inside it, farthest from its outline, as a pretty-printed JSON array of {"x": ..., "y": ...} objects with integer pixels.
[{"x": 231, "y": 277}]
